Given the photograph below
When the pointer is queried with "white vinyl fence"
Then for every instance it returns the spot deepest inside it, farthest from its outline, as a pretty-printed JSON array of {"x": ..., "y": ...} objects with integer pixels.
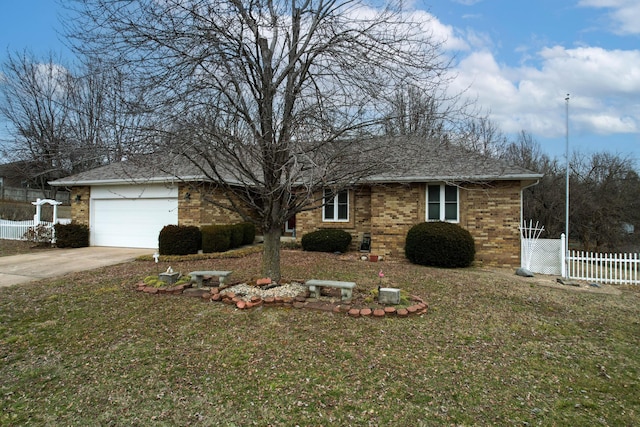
[
  {"x": 621, "y": 269},
  {"x": 17, "y": 230},
  {"x": 548, "y": 257}
]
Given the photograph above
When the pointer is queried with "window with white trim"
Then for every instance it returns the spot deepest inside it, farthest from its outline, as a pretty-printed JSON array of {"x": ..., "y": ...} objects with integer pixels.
[
  {"x": 336, "y": 206},
  {"x": 443, "y": 203}
]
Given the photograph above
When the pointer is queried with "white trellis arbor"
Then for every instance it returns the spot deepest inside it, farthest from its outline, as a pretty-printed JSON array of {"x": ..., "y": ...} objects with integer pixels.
[{"x": 37, "y": 220}]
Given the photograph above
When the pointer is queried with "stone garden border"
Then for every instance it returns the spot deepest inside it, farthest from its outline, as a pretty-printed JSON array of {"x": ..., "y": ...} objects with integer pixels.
[{"x": 216, "y": 294}]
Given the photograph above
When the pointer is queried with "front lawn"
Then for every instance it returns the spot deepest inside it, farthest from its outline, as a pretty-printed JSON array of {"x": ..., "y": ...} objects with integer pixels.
[{"x": 494, "y": 349}]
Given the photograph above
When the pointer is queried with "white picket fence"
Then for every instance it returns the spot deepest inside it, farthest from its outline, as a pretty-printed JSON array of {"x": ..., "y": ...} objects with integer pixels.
[
  {"x": 621, "y": 269},
  {"x": 549, "y": 257},
  {"x": 17, "y": 230}
]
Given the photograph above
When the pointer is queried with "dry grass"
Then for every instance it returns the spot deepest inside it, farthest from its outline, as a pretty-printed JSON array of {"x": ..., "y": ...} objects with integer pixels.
[
  {"x": 494, "y": 349},
  {"x": 15, "y": 247}
]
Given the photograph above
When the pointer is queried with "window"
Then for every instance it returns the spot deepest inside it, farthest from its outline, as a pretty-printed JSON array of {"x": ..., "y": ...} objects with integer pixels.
[
  {"x": 442, "y": 203},
  {"x": 336, "y": 206}
]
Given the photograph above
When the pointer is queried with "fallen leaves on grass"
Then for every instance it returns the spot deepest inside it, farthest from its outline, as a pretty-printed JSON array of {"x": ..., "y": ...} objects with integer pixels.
[{"x": 494, "y": 349}]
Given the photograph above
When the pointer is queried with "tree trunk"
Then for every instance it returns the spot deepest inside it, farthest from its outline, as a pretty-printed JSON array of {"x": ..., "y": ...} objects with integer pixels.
[{"x": 271, "y": 254}]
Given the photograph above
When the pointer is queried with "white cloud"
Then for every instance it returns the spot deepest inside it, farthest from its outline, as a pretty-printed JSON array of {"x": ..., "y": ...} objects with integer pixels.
[
  {"x": 467, "y": 2},
  {"x": 604, "y": 87},
  {"x": 624, "y": 14}
]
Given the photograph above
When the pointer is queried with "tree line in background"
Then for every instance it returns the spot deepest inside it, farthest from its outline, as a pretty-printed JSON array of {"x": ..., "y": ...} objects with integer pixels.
[{"x": 269, "y": 88}]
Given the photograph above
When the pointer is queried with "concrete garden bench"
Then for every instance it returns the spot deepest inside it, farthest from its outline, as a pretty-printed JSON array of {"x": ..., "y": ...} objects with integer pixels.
[
  {"x": 315, "y": 286},
  {"x": 198, "y": 276}
]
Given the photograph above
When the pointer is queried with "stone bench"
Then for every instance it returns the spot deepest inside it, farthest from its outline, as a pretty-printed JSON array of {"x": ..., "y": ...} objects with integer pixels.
[
  {"x": 198, "y": 276},
  {"x": 346, "y": 288}
]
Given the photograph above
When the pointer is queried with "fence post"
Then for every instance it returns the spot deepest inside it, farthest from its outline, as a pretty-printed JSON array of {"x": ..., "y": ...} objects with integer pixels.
[{"x": 563, "y": 257}]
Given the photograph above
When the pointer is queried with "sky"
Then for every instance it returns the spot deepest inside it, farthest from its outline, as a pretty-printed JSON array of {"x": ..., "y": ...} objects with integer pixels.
[{"x": 518, "y": 58}]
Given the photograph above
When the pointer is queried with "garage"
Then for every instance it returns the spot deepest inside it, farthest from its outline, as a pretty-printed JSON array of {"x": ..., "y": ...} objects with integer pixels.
[{"x": 131, "y": 216}]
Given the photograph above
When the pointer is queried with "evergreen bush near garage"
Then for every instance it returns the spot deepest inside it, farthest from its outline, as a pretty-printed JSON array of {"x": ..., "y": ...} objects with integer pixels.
[
  {"x": 215, "y": 238},
  {"x": 440, "y": 244},
  {"x": 326, "y": 240},
  {"x": 179, "y": 240},
  {"x": 72, "y": 235}
]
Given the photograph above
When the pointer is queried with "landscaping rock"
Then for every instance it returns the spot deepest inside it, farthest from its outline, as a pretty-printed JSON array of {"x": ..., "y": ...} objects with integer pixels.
[{"x": 523, "y": 272}]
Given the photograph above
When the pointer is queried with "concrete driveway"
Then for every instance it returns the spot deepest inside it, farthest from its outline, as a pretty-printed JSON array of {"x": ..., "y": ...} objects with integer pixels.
[{"x": 38, "y": 265}]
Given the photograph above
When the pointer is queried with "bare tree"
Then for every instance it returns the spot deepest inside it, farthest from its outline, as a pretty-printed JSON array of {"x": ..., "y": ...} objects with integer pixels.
[
  {"x": 416, "y": 113},
  {"x": 62, "y": 120},
  {"x": 543, "y": 202},
  {"x": 604, "y": 198},
  {"x": 481, "y": 135},
  {"x": 35, "y": 104},
  {"x": 263, "y": 96},
  {"x": 604, "y": 195}
]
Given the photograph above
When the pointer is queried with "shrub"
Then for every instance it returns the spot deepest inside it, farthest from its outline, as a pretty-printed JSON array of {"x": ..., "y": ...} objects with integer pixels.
[
  {"x": 179, "y": 240},
  {"x": 248, "y": 232},
  {"x": 237, "y": 235},
  {"x": 326, "y": 240},
  {"x": 40, "y": 234},
  {"x": 72, "y": 235},
  {"x": 215, "y": 238},
  {"x": 439, "y": 244}
]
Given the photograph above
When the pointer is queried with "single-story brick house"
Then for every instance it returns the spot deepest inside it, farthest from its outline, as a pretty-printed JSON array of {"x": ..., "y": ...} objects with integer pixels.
[{"x": 127, "y": 204}]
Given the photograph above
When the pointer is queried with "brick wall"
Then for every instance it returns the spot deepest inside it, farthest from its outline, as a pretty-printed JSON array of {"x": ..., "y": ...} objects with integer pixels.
[
  {"x": 359, "y": 217},
  {"x": 80, "y": 210},
  {"x": 491, "y": 213},
  {"x": 198, "y": 208},
  {"x": 395, "y": 208}
]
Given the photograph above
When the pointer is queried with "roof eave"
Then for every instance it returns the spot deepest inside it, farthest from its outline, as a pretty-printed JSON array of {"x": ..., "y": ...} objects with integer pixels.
[
  {"x": 477, "y": 178},
  {"x": 130, "y": 181}
]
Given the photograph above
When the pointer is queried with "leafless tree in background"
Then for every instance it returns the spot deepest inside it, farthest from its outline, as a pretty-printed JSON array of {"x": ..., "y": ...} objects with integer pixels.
[
  {"x": 260, "y": 95},
  {"x": 62, "y": 120},
  {"x": 604, "y": 196}
]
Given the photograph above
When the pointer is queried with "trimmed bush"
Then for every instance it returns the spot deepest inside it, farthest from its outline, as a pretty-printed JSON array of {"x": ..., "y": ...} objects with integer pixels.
[
  {"x": 326, "y": 240},
  {"x": 248, "y": 232},
  {"x": 237, "y": 236},
  {"x": 439, "y": 244},
  {"x": 215, "y": 238},
  {"x": 179, "y": 240},
  {"x": 72, "y": 235}
]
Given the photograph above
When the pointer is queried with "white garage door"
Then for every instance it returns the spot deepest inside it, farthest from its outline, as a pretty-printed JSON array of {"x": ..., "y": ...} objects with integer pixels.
[{"x": 131, "y": 223}]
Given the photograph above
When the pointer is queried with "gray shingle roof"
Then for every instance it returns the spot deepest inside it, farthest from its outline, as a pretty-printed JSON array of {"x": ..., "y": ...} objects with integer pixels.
[{"x": 420, "y": 163}]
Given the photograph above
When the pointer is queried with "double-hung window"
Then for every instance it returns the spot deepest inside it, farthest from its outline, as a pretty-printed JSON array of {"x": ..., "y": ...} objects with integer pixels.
[
  {"x": 336, "y": 206},
  {"x": 442, "y": 203}
]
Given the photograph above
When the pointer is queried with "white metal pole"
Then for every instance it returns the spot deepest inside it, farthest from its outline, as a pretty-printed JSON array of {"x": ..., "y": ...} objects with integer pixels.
[{"x": 566, "y": 219}]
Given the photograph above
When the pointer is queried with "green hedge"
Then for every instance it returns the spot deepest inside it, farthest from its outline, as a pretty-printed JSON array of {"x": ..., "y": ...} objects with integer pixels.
[
  {"x": 215, "y": 238},
  {"x": 179, "y": 240},
  {"x": 248, "y": 232},
  {"x": 439, "y": 244},
  {"x": 326, "y": 240},
  {"x": 72, "y": 235}
]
